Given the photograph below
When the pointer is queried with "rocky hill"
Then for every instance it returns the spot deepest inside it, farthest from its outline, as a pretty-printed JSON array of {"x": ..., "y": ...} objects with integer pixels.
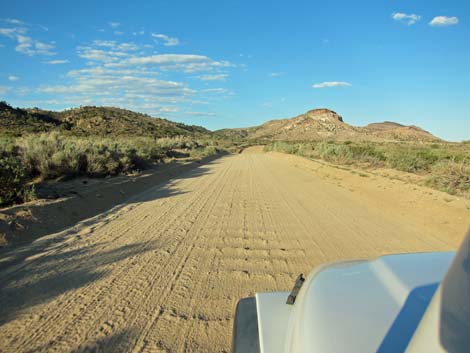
[
  {"x": 90, "y": 121},
  {"x": 325, "y": 124},
  {"x": 394, "y": 131},
  {"x": 314, "y": 125}
]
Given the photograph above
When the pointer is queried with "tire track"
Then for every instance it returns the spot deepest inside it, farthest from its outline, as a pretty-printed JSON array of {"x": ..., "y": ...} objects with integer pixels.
[{"x": 163, "y": 272}]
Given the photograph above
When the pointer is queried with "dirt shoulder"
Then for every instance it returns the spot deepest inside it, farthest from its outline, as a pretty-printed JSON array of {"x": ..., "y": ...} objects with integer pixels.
[
  {"x": 65, "y": 203},
  {"x": 391, "y": 190}
]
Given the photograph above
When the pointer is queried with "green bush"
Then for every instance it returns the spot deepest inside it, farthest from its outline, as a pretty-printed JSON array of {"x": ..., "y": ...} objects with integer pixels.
[
  {"x": 13, "y": 181},
  {"x": 412, "y": 161},
  {"x": 286, "y": 147},
  {"x": 59, "y": 156},
  {"x": 348, "y": 153}
]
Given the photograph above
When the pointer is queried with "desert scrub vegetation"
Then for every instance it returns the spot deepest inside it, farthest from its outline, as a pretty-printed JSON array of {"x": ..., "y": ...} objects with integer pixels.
[
  {"x": 444, "y": 166},
  {"x": 25, "y": 161},
  {"x": 451, "y": 176}
]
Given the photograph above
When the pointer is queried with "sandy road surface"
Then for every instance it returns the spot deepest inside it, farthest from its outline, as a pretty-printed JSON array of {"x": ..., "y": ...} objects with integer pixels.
[{"x": 162, "y": 273}]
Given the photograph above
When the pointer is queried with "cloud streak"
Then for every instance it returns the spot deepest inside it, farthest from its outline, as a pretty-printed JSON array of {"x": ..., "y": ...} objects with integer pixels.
[
  {"x": 25, "y": 44},
  {"x": 167, "y": 40},
  {"x": 408, "y": 19},
  {"x": 201, "y": 113},
  {"x": 217, "y": 77},
  {"x": 442, "y": 21},
  {"x": 175, "y": 62},
  {"x": 126, "y": 74},
  {"x": 56, "y": 62},
  {"x": 14, "y": 21},
  {"x": 327, "y": 84}
]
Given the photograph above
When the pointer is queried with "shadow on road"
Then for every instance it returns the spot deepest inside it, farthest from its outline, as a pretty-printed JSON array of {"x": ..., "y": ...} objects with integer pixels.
[
  {"x": 46, "y": 278},
  {"x": 24, "y": 223},
  {"x": 117, "y": 343},
  {"x": 36, "y": 273}
]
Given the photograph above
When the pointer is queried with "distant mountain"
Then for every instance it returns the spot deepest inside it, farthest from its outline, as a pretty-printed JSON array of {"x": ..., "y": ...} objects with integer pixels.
[
  {"x": 325, "y": 124},
  {"x": 394, "y": 131},
  {"x": 90, "y": 121},
  {"x": 314, "y": 125}
]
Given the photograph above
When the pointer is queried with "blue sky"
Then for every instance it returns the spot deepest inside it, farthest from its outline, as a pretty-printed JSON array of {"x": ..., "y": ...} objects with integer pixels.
[{"x": 240, "y": 63}]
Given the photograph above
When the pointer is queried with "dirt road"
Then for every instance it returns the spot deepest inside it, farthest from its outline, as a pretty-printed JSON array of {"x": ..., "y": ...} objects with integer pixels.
[{"x": 163, "y": 272}]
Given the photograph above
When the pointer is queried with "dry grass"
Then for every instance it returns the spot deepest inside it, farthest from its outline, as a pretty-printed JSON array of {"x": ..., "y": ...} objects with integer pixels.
[
  {"x": 445, "y": 166},
  {"x": 27, "y": 160}
]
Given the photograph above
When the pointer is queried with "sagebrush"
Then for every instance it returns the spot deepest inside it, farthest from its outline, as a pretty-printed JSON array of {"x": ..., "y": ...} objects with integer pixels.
[
  {"x": 445, "y": 166},
  {"x": 27, "y": 160}
]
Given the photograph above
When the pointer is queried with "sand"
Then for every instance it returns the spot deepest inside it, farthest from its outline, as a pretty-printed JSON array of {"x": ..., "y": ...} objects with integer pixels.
[{"x": 162, "y": 271}]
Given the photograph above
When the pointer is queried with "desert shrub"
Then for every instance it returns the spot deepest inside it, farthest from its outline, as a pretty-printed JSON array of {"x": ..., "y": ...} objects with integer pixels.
[
  {"x": 178, "y": 142},
  {"x": 333, "y": 152},
  {"x": 53, "y": 155},
  {"x": 286, "y": 147},
  {"x": 348, "y": 153},
  {"x": 13, "y": 181},
  {"x": 367, "y": 153},
  {"x": 450, "y": 176},
  {"x": 206, "y": 151},
  {"x": 209, "y": 151},
  {"x": 59, "y": 156},
  {"x": 411, "y": 160}
]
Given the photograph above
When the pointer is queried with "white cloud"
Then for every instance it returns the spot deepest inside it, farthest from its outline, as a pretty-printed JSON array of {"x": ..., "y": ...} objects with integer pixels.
[
  {"x": 216, "y": 77},
  {"x": 168, "y": 109},
  {"x": 116, "y": 85},
  {"x": 106, "y": 56},
  {"x": 331, "y": 84},
  {"x": 276, "y": 74},
  {"x": 127, "y": 47},
  {"x": 408, "y": 19},
  {"x": 25, "y": 44},
  {"x": 106, "y": 71},
  {"x": 136, "y": 88},
  {"x": 127, "y": 75},
  {"x": 441, "y": 21},
  {"x": 168, "y": 41},
  {"x": 118, "y": 33},
  {"x": 56, "y": 62},
  {"x": 12, "y": 32},
  {"x": 105, "y": 43},
  {"x": 114, "y": 24},
  {"x": 176, "y": 62},
  {"x": 13, "y": 78},
  {"x": 14, "y": 21},
  {"x": 214, "y": 90},
  {"x": 201, "y": 113},
  {"x": 116, "y": 46}
]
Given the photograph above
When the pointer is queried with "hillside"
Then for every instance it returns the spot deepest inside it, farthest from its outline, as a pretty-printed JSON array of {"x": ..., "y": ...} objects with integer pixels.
[
  {"x": 90, "y": 121},
  {"x": 325, "y": 124},
  {"x": 314, "y": 125}
]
